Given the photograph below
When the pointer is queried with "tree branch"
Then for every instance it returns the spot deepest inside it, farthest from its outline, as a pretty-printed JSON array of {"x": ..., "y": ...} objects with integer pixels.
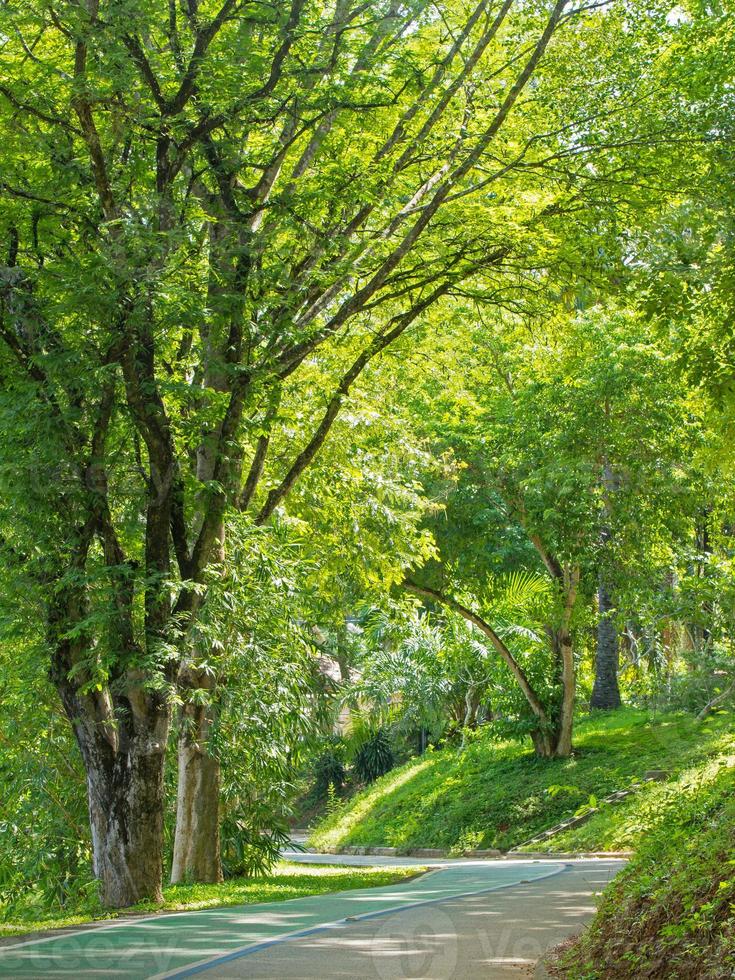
[{"x": 506, "y": 656}]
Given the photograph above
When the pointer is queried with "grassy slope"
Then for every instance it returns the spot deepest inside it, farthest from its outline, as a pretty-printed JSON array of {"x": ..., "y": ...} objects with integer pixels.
[
  {"x": 285, "y": 881},
  {"x": 671, "y": 912},
  {"x": 498, "y": 794},
  {"x": 625, "y": 825}
]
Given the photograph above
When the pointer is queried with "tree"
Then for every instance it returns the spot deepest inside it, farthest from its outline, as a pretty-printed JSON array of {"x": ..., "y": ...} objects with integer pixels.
[
  {"x": 200, "y": 202},
  {"x": 425, "y": 673},
  {"x": 550, "y": 410},
  {"x": 606, "y": 691}
]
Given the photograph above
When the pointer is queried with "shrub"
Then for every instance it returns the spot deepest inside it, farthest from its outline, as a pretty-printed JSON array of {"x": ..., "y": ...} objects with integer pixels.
[
  {"x": 670, "y": 913},
  {"x": 374, "y": 757},
  {"x": 329, "y": 770}
]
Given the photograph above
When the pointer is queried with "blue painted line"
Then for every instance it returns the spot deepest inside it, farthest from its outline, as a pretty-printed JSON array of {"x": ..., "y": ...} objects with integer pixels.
[{"x": 326, "y": 927}]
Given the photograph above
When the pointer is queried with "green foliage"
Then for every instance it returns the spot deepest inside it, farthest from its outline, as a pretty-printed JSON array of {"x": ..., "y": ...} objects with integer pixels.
[
  {"x": 329, "y": 770},
  {"x": 269, "y": 708},
  {"x": 333, "y": 802},
  {"x": 294, "y": 301},
  {"x": 434, "y": 672},
  {"x": 536, "y": 426},
  {"x": 45, "y": 850},
  {"x": 503, "y": 795},
  {"x": 673, "y": 904},
  {"x": 629, "y": 824},
  {"x": 374, "y": 757}
]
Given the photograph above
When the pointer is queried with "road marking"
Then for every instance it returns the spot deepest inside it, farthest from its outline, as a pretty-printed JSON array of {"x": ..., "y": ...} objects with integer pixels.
[{"x": 204, "y": 965}]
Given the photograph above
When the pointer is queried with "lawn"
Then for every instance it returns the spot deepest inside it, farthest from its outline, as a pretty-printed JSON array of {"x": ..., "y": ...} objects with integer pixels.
[
  {"x": 285, "y": 881},
  {"x": 498, "y": 794}
]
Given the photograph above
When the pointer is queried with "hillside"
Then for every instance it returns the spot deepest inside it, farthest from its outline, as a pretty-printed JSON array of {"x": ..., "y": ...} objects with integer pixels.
[
  {"x": 625, "y": 825},
  {"x": 671, "y": 912},
  {"x": 498, "y": 794}
]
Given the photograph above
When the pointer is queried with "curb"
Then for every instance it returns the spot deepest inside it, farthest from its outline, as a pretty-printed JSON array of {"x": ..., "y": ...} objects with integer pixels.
[
  {"x": 491, "y": 854},
  {"x": 419, "y": 852}
]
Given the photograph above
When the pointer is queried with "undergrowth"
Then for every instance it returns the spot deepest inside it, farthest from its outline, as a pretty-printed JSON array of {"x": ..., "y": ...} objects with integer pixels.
[
  {"x": 671, "y": 912},
  {"x": 498, "y": 794}
]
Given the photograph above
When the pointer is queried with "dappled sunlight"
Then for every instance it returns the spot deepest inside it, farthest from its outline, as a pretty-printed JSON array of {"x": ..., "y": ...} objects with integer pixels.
[
  {"x": 498, "y": 794},
  {"x": 493, "y": 934},
  {"x": 482, "y": 893}
]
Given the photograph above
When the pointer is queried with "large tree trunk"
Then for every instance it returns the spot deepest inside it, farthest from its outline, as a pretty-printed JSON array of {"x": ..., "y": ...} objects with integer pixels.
[
  {"x": 197, "y": 843},
  {"x": 122, "y": 731},
  {"x": 126, "y": 805},
  {"x": 123, "y": 758},
  {"x": 606, "y": 693}
]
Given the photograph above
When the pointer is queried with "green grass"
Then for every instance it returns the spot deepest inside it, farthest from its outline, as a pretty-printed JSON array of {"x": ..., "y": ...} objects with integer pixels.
[
  {"x": 285, "y": 881},
  {"x": 671, "y": 912},
  {"x": 498, "y": 794},
  {"x": 623, "y": 826}
]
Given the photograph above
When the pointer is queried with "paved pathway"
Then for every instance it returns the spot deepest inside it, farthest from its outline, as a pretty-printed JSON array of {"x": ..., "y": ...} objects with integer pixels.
[{"x": 464, "y": 920}]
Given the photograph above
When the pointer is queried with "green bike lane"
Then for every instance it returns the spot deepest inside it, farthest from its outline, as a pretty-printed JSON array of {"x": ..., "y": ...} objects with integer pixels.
[{"x": 183, "y": 944}]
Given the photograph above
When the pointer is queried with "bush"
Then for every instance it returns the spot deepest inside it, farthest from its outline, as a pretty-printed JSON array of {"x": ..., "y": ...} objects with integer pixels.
[
  {"x": 248, "y": 848},
  {"x": 671, "y": 912},
  {"x": 374, "y": 757},
  {"x": 329, "y": 770}
]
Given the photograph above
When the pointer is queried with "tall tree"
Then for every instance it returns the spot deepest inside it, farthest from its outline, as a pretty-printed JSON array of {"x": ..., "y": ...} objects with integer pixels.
[
  {"x": 549, "y": 411},
  {"x": 200, "y": 201}
]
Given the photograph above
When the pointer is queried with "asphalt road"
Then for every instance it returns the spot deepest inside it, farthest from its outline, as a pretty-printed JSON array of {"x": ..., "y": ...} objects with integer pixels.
[
  {"x": 499, "y": 934},
  {"x": 465, "y": 919}
]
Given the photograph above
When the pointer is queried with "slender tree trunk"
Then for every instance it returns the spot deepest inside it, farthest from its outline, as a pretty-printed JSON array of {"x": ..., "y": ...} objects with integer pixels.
[
  {"x": 563, "y": 747},
  {"x": 196, "y": 856},
  {"x": 699, "y": 633},
  {"x": 471, "y": 704},
  {"x": 606, "y": 692},
  {"x": 717, "y": 700},
  {"x": 197, "y": 842},
  {"x": 570, "y": 582}
]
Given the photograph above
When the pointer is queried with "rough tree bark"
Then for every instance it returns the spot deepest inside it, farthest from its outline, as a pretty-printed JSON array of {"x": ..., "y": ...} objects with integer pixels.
[
  {"x": 126, "y": 793},
  {"x": 123, "y": 745},
  {"x": 606, "y": 692}
]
